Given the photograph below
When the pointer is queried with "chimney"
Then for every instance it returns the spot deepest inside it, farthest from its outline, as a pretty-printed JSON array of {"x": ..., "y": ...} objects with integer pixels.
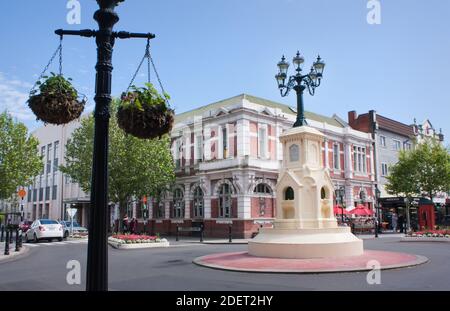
[{"x": 352, "y": 116}]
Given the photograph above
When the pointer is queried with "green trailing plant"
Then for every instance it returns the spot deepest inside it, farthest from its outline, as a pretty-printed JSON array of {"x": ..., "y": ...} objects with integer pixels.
[
  {"x": 144, "y": 113},
  {"x": 56, "y": 100}
]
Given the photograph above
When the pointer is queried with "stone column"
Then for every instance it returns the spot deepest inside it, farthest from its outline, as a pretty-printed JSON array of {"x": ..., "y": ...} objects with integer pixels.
[
  {"x": 348, "y": 160},
  {"x": 150, "y": 208},
  {"x": 327, "y": 161},
  {"x": 207, "y": 198},
  {"x": 187, "y": 200}
]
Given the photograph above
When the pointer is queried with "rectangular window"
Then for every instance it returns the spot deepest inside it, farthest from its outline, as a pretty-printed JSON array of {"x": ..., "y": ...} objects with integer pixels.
[
  {"x": 336, "y": 157},
  {"x": 407, "y": 146},
  {"x": 47, "y": 193},
  {"x": 359, "y": 159},
  {"x": 364, "y": 160},
  {"x": 41, "y": 193},
  {"x": 29, "y": 194},
  {"x": 54, "y": 192},
  {"x": 49, "y": 159},
  {"x": 383, "y": 141},
  {"x": 199, "y": 148},
  {"x": 384, "y": 169},
  {"x": 262, "y": 142},
  {"x": 225, "y": 142},
  {"x": 397, "y": 145},
  {"x": 35, "y": 191},
  {"x": 43, "y": 159},
  {"x": 55, "y": 156},
  {"x": 178, "y": 153}
]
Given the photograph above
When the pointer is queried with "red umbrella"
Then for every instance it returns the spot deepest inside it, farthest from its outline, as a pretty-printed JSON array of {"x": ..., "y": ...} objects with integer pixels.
[
  {"x": 361, "y": 210},
  {"x": 338, "y": 210}
]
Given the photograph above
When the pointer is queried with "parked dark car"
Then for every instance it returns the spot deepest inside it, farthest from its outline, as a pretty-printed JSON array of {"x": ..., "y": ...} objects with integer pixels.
[{"x": 25, "y": 225}]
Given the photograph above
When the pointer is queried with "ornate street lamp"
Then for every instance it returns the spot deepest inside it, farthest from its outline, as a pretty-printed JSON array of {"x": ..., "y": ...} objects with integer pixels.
[
  {"x": 340, "y": 193},
  {"x": 377, "y": 211},
  {"x": 299, "y": 82},
  {"x": 97, "y": 255}
]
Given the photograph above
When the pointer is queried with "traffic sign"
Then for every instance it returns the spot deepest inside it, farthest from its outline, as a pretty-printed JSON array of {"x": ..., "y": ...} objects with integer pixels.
[
  {"x": 22, "y": 193},
  {"x": 71, "y": 211}
]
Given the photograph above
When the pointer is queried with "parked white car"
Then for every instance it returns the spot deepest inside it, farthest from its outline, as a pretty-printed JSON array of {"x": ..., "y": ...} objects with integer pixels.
[{"x": 44, "y": 229}]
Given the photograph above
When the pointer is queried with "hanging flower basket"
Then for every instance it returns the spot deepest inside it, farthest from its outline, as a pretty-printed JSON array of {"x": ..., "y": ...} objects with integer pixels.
[
  {"x": 57, "y": 101},
  {"x": 144, "y": 113}
]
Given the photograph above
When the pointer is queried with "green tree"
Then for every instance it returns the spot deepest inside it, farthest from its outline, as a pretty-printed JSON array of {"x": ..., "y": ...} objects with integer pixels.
[
  {"x": 423, "y": 170},
  {"x": 136, "y": 167},
  {"x": 19, "y": 159}
]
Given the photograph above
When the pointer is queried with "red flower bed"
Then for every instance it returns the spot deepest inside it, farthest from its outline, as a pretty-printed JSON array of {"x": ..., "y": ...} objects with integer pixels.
[{"x": 133, "y": 237}]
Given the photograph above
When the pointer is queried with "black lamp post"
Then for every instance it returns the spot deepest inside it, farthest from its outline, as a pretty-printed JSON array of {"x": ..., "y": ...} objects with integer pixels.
[
  {"x": 377, "y": 196},
  {"x": 97, "y": 257},
  {"x": 341, "y": 199},
  {"x": 299, "y": 82},
  {"x": 340, "y": 193}
]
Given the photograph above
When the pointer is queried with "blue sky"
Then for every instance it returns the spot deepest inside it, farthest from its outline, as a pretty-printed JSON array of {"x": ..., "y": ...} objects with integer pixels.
[{"x": 208, "y": 50}]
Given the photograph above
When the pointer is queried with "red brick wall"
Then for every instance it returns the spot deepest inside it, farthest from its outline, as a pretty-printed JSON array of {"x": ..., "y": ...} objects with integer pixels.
[{"x": 269, "y": 211}]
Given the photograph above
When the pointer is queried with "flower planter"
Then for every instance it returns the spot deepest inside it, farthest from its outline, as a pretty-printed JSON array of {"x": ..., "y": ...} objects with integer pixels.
[
  {"x": 57, "y": 101},
  {"x": 144, "y": 113},
  {"x": 136, "y": 242}
]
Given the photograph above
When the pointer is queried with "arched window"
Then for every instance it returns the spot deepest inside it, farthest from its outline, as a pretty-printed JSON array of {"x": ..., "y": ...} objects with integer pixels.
[
  {"x": 225, "y": 201},
  {"x": 160, "y": 208},
  {"x": 293, "y": 153},
  {"x": 289, "y": 194},
  {"x": 198, "y": 203},
  {"x": 178, "y": 203},
  {"x": 262, "y": 188},
  {"x": 323, "y": 193}
]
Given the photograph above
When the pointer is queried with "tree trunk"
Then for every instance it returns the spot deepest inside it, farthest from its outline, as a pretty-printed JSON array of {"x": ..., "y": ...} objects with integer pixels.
[{"x": 122, "y": 212}]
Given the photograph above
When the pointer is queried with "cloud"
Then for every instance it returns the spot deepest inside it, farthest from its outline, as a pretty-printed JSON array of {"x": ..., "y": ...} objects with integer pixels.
[{"x": 13, "y": 97}]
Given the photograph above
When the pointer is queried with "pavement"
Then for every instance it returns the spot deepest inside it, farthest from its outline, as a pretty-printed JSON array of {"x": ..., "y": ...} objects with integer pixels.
[
  {"x": 12, "y": 253},
  {"x": 46, "y": 268}
]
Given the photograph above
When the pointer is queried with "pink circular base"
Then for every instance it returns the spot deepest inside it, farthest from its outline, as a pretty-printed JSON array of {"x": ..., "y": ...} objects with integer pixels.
[{"x": 242, "y": 261}]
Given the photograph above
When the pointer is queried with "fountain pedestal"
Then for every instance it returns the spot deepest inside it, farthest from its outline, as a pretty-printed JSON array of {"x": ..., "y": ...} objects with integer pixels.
[{"x": 305, "y": 226}]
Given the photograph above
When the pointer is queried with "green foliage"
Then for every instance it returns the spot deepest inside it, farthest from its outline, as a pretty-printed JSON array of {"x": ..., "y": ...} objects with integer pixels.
[
  {"x": 19, "y": 159},
  {"x": 423, "y": 170},
  {"x": 136, "y": 167},
  {"x": 139, "y": 96},
  {"x": 56, "y": 84}
]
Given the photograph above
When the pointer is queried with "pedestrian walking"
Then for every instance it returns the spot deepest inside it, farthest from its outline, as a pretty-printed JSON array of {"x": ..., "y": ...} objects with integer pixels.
[
  {"x": 401, "y": 221},
  {"x": 394, "y": 221},
  {"x": 125, "y": 224},
  {"x": 133, "y": 225}
]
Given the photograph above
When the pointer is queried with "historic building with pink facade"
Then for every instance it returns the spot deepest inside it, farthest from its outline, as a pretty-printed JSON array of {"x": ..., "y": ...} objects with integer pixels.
[{"x": 227, "y": 156}]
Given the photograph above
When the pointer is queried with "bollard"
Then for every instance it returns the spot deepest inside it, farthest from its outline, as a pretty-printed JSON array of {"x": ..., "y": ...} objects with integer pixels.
[
  {"x": 10, "y": 236},
  {"x": 2, "y": 234},
  {"x": 201, "y": 233},
  {"x": 7, "y": 243},
  {"x": 20, "y": 239},
  {"x": 229, "y": 234},
  {"x": 176, "y": 234},
  {"x": 17, "y": 241}
]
